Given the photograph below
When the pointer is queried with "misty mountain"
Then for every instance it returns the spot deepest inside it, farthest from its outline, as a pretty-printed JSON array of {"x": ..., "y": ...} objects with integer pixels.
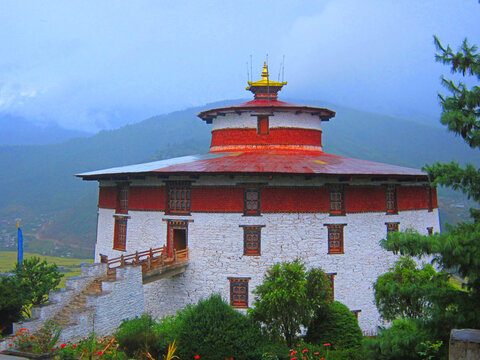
[
  {"x": 38, "y": 186},
  {"x": 16, "y": 130}
]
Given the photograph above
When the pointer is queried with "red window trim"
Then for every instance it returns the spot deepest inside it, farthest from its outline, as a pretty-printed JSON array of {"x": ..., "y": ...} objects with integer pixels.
[
  {"x": 238, "y": 282},
  {"x": 263, "y": 125},
  {"x": 340, "y": 191},
  {"x": 185, "y": 201},
  {"x": 391, "y": 205},
  {"x": 392, "y": 227},
  {"x": 120, "y": 233},
  {"x": 252, "y": 230},
  {"x": 331, "y": 229},
  {"x": 123, "y": 192},
  {"x": 246, "y": 201}
]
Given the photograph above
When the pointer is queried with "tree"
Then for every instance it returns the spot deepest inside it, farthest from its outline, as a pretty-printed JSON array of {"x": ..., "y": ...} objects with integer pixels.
[
  {"x": 39, "y": 277},
  {"x": 13, "y": 300},
  {"x": 288, "y": 298},
  {"x": 336, "y": 325},
  {"x": 458, "y": 250},
  {"x": 408, "y": 292}
]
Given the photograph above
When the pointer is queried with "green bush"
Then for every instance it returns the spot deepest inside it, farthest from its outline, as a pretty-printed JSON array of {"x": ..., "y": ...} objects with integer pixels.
[
  {"x": 401, "y": 341},
  {"x": 334, "y": 324},
  {"x": 214, "y": 330},
  {"x": 137, "y": 336}
]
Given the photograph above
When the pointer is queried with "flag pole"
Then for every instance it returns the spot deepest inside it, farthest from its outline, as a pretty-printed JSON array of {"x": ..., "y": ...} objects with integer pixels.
[{"x": 19, "y": 244}]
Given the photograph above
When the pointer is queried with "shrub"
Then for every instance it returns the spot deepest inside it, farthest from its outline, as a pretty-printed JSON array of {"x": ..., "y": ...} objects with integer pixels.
[
  {"x": 137, "y": 336},
  {"x": 214, "y": 330},
  {"x": 402, "y": 341},
  {"x": 336, "y": 325}
]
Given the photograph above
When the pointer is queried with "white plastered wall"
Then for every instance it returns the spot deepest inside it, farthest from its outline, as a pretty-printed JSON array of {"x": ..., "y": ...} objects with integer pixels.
[
  {"x": 215, "y": 242},
  {"x": 279, "y": 119}
]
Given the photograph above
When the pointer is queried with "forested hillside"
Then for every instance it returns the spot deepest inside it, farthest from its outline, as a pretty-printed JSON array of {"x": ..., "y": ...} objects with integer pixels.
[{"x": 58, "y": 211}]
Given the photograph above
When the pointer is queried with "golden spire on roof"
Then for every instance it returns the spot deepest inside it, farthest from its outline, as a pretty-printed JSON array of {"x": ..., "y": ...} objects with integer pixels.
[{"x": 273, "y": 86}]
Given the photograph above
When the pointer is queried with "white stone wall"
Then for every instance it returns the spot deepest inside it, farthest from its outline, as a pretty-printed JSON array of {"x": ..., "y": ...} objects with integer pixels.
[
  {"x": 279, "y": 119},
  {"x": 215, "y": 244}
]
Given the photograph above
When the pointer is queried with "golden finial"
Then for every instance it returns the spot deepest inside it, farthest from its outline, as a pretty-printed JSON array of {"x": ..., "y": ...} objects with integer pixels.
[{"x": 265, "y": 70}]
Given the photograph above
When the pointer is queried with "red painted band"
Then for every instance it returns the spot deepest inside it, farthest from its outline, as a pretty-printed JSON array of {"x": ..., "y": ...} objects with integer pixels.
[{"x": 275, "y": 136}]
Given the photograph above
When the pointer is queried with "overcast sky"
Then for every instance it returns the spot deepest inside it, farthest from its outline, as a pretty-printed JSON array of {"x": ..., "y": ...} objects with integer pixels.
[{"x": 98, "y": 64}]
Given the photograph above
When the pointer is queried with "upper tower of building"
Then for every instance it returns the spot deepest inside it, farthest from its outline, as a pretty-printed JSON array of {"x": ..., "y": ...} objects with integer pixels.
[{"x": 265, "y": 123}]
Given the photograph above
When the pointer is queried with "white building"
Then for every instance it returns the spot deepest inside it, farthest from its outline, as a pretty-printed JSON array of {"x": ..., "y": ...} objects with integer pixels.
[{"x": 266, "y": 192}]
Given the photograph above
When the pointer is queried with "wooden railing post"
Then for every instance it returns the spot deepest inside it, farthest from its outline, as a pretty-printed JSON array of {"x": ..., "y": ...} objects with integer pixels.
[
  {"x": 122, "y": 260},
  {"x": 137, "y": 259}
]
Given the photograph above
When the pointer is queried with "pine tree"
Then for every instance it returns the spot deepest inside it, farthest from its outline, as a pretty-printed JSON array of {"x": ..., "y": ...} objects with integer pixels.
[{"x": 458, "y": 250}]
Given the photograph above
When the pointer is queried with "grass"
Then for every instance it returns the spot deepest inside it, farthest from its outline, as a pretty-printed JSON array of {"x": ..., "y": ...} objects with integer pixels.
[{"x": 70, "y": 267}]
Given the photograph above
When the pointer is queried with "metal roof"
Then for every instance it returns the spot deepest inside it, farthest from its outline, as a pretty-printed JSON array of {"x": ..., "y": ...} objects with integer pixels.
[
  {"x": 266, "y": 105},
  {"x": 254, "y": 162}
]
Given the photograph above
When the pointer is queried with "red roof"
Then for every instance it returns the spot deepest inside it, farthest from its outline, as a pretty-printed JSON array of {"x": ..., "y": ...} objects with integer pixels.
[
  {"x": 266, "y": 105},
  {"x": 271, "y": 161}
]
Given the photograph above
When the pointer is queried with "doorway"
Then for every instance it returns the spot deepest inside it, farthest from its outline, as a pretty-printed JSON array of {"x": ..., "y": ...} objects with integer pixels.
[{"x": 177, "y": 238}]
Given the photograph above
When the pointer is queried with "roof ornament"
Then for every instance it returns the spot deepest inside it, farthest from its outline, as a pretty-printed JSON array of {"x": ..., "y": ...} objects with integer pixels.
[{"x": 265, "y": 88}]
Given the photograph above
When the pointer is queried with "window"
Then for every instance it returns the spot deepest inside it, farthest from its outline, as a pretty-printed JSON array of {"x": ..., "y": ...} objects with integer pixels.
[
  {"x": 122, "y": 199},
  {"x": 120, "y": 233},
  {"x": 430, "y": 230},
  {"x": 391, "y": 199},
  {"x": 355, "y": 312},
  {"x": 331, "y": 277},
  {"x": 178, "y": 197},
  {"x": 251, "y": 240},
  {"x": 337, "y": 203},
  {"x": 251, "y": 205},
  {"x": 239, "y": 292},
  {"x": 335, "y": 238},
  {"x": 392, "y": 227},
  {"x": 262, "y": 125},
  {"x": 430, "y": 198}
]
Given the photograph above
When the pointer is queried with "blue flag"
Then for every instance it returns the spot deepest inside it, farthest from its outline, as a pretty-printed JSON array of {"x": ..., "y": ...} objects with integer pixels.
[{"x": 20, "y": 244}]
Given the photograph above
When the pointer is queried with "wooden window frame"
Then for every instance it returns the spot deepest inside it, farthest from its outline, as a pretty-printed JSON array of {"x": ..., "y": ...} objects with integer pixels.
[
  {"x": 182, "y": 188},
  {"x": 392, "y": 227},
  {"x": 262, "y": 123},
  {"x": 334, "y": 229},
  {"x": 331, "y": 277},
  {"x": 391, "y": 201},
  {"x": 123, "y": 192},
  {"x": 356, "y": 312},
  {"x": 252, "y": 231},
  {"x": 120, "y": 233},
  {"x": 237, "y": 283},
  {"x": 430, "y": 230},
  {"x": 336, "y": 195},
  {"x": 247, "y": 201}
]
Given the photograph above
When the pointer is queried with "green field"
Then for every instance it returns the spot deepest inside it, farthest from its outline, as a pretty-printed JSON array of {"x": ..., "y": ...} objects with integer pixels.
[{"x": 68, "y": 266}]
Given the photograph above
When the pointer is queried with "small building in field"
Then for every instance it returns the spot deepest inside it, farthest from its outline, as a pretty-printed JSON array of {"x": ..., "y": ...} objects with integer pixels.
[{"x": 266, "y": 192}]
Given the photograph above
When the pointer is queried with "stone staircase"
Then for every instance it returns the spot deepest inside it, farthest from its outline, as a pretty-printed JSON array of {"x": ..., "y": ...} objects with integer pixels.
[{"x": 95, "y": 302}]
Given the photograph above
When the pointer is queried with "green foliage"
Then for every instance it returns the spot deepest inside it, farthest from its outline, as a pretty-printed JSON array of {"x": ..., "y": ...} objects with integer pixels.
[
  {"x": 288, "y": 297},
  {"x": 408, "y": 292},
  {"x": 336, "y": 325},
  {"x": 137, "y": 337},
  {"x": 459, "y": 250},
  {"x": 402, "y": 341},
  {"x": 214, "y": 330},
  {"x": 39, "y": 277},
  {"x": 13, "y": 299}
]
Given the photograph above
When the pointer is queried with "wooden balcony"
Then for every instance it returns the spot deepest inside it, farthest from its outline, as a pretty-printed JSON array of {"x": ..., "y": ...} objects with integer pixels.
[{"x": 156, "y": 264}]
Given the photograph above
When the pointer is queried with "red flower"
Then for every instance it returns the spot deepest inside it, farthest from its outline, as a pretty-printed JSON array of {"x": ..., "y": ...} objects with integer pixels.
[
  {"x": 305, "y": 350},
  {"x": 304, "y": 357},
  {"x": 10, "y": 344},
  {"x": 74, "y": 346},
  {"x": 316, "y": 353},
  {"x": 293, "y": 358},
  {"x": 326, "y": 344},
  {"x": 99, "y": 353},
  {"x": 298, "y": 345},
  {"x": 293, "y": 352},
  {"x": 197, "y": 357},
  {"x": 62, "y": 346}
]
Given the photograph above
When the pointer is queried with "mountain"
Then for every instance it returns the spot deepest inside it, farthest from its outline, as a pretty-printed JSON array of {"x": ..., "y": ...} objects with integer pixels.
[
  {"x": 37, "y": 183},
  {"x": 18, "y": 131}
]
